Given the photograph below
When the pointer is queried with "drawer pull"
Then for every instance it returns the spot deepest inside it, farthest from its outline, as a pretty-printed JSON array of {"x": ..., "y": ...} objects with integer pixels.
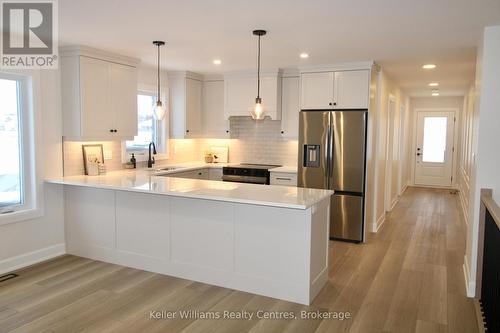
[{"x": 280, "y": 178}]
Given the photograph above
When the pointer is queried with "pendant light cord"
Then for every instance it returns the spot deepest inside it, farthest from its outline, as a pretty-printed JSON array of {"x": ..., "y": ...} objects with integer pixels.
[
  {"x": 158, "y": 96},
  {"x": 258, "y": 70}
]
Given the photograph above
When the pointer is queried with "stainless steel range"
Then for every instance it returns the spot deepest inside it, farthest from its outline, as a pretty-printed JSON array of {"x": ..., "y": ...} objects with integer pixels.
[{"x": 247, "y": 173}]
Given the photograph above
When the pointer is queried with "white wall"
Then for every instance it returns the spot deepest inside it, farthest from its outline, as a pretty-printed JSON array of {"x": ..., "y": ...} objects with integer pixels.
[
  {"x": 385, "y": 166},
  {"x": 25, "y": 242},
  {"x": 465, "y": 157},
  {"x": 485, "y": 141}
]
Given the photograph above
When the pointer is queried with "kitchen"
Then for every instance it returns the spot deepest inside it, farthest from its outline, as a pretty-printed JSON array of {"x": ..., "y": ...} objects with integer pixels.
[{"x": 243, "y": 175}]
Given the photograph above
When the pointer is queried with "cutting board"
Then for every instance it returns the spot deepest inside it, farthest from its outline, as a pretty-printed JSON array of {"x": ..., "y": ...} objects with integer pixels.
[{"x": 222, "y": 154}]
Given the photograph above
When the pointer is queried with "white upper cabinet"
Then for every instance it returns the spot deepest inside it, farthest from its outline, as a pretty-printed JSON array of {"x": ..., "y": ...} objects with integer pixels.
[
  {"x": 215, "y": 124},
  {"x": 124, "y": 99},
  {"x": 290, "y": 107},
  {"x": 351, "y": 89},
  {"x": 240, "y": 91},
  {"x": 335, "y": 90},
  {"x": 99, "y": 95},
  {"x": 185, "y": 105},
  {"x": 317, "y": 91}
]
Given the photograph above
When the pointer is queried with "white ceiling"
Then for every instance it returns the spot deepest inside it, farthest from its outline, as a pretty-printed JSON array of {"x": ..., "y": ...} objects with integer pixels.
[{"x": 401, "y": 35}]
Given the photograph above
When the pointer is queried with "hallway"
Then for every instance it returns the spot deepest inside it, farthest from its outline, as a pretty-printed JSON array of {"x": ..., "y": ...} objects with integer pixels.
[{"x": 406, "y": 278}]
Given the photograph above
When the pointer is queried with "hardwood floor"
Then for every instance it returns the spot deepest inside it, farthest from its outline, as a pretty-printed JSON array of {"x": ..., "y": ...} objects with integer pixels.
[{"x": 406, "y": 278}]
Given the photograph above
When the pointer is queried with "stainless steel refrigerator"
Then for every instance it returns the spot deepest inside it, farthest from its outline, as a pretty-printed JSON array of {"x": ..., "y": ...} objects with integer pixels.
[{"x": 332, "y": 155}]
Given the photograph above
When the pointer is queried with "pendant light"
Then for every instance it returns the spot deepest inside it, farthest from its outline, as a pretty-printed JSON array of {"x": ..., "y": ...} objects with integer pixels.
[
  {"x": 258, "y": 111},
  {"x": 159, "y": 109}
]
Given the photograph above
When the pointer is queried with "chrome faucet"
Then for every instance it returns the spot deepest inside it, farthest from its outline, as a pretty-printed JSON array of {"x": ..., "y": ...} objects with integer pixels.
[{"x": 151, "y": 160}]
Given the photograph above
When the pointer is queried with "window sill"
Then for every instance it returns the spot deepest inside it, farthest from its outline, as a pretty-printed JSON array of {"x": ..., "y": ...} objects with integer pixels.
[{"x": 20, "y": 215}]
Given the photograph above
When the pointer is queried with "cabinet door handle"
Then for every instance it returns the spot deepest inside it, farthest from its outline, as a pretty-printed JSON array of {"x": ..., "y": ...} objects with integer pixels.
[
  {"x": 116, "y": 130},
  {"x": 111, "y": 130},
  {"x": 334, "y": 103},
  {"x": 187, "y": 131},
  {"x": 330, "y": 103},
  {"x": 227, "y": 131}
]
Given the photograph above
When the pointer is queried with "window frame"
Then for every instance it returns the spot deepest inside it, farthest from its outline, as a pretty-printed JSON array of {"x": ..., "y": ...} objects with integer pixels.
[
  {"x": 30, "y": 137},
  {"x": 161, "y": 131}
]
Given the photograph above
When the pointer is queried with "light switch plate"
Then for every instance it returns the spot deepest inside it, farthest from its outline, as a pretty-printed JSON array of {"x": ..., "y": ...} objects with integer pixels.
[{"x": 108, "y": 155}]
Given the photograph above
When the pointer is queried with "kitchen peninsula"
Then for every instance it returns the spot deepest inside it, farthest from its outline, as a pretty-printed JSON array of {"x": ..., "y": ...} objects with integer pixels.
[{"x": 264, "y": 239}]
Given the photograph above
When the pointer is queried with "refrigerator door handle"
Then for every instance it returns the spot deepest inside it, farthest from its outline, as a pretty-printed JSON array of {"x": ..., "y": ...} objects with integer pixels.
[{"x": 328, "y": 151}]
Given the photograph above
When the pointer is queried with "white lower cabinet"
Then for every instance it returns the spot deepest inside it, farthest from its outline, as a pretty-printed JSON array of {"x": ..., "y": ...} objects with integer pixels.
[
  {"x": 90, "y": 217},
  {"x": 215, "y": 174},
  {"x": 283, "y": 178},
  {"x": 212, "y": 232},
  {"x": 153, "y": 213},
  {"x": 272, "y": 251}
]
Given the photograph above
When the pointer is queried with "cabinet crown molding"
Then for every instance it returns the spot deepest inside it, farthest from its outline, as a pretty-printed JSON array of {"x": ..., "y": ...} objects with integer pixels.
[
  {"x": 345, "y": 66},
  {"x": 185, "y": 74},
  {"x": 86, "y": 51},
  {"x": 252, "y": 73}
]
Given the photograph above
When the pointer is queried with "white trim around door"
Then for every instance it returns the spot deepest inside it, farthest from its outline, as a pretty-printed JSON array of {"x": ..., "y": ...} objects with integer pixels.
[{"x": 454, "y": 145}]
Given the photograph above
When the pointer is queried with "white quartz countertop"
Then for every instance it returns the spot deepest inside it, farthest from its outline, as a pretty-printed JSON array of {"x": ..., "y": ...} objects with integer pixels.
[
  {"x": 285, "y": 169},
  {"x": 147, "y": 182}
]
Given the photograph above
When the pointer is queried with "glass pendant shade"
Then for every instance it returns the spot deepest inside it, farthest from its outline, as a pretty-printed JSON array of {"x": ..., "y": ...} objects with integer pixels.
[
  {"x": 258, "y": 111},
  {"x": 159, "y": 111}
]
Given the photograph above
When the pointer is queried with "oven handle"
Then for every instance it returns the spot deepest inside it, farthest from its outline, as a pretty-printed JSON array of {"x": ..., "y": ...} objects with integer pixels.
[{"x": 244, "y": 179}]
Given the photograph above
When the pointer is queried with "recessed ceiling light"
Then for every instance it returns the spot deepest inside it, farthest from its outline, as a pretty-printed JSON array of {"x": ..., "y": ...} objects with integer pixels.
[
  {"x": 435, "y": 94},
  {"x": 429, "y": 66},
  {"x": 217, "y": 61},
  {"x": 304, "y": 55},
  {"x": 433, "y": 84}
]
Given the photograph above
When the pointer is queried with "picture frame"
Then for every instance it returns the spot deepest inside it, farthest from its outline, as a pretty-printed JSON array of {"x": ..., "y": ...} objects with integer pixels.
[{"x": 91, "y": 153}]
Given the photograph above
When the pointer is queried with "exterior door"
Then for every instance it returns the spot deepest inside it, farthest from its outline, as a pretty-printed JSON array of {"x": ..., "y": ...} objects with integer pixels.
[{"x": 434, "y": 148}]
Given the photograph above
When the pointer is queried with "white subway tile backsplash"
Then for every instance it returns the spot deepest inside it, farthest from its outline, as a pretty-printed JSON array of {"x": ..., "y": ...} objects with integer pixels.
[{"x": 251, "y": 142}]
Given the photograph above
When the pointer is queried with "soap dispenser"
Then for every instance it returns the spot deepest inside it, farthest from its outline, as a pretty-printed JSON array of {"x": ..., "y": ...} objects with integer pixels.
[{"x": 133, "y": 160}]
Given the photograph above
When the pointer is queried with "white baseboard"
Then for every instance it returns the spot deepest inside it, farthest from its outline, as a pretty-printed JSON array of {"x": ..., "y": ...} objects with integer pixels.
[
  {"x": 403, "y": 189},
  {"x": 27, "y": 259},
  {"x": 376, "y": 226},
  {"x": 470, "y": 286}
]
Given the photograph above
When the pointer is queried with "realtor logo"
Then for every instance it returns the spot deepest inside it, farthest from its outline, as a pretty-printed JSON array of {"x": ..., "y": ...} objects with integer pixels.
[{"x": 29, "y": 34}]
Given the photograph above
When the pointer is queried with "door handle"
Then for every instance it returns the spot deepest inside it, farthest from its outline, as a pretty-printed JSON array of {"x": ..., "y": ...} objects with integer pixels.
[{"x": 418, "y": 154}]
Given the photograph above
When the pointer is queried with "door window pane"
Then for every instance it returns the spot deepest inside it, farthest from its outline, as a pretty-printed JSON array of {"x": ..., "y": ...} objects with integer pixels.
[
  {"x": 434, "y": 139},
  {"x": 10, "y": 134}
]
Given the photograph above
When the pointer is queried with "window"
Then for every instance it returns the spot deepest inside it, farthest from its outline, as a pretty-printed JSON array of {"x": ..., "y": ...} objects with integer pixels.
[
  {"x": 17, "y": 163},
  {"x": 11, "y": 188},
  {"x": 147, "y": 129},
  {"x": 434, "y": 139}
]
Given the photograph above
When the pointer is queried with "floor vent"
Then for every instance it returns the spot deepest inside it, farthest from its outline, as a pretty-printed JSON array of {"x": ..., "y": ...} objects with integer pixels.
[{"x": 6, "y": 277}]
